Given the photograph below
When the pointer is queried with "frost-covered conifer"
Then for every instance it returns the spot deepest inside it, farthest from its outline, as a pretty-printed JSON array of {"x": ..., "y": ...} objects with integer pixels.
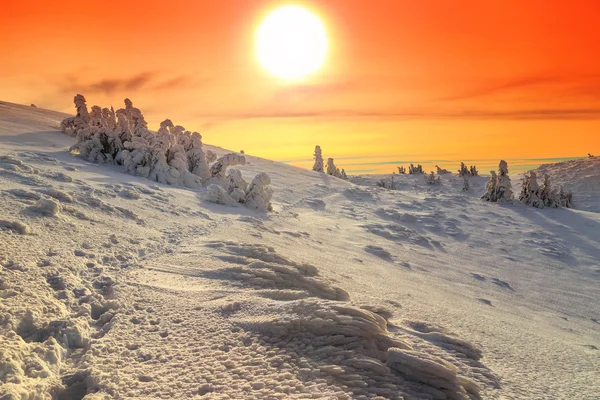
[
  {"x": 196, "y": 157},
  {"x": 473, "y": 171},
  {"x": 466, "y": 185},
  {"x": 401, "y": 170},
  {"x": 499, "y": 187},
  {"x": 237, "y": 185},
  {"x": 343, "y": 173},
  {"x": 318, "y": 165},
  {"x": 530, "y": 191},
  {"x": 431, "y": 179},
  {"x": 331, "y": 168},
  {"x": 463, "y": 170},
  {"x": 258, "y": 196},
  {"x": 441, "y": 171},
  {"x": 219, "y": 168},
  {"x": 415, "y": 169},
  {"x": 72, "y": 125}
]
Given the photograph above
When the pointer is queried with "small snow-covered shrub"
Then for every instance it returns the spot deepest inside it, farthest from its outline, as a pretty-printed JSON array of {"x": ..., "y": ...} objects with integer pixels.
[
  {"x": 343, "y": 173},
  {"x": 432, "y": 180},
  {"x": 463, "y": 170},
  {"x": 219, "y": 168},
  {"x": 415, "y": 169},
  {"x": 259, "y": 193},
  {"x": 216, "y": 194},
  {"x": 441, "y": 171},
  {"x": 499, "y": 187},
  {"x": 72, "y": 125},
  {"x": 466, "y": 185},
  {"x": 211, "y": 156},
  {"x": 473, "y": 171},
  {"x": 318, "y": 165},
  {"x": 543, "y": 196},
  {"x": 332, "y": 169},
  {"x": 401, "y": 170}
]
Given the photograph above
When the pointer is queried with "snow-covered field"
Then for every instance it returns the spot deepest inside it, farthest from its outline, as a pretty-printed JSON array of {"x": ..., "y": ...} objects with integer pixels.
[{"x": 113, "y": 286}]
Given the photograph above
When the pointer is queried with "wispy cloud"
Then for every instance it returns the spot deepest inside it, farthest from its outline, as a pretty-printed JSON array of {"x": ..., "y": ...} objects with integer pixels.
[{"x": 148, "y": 80}]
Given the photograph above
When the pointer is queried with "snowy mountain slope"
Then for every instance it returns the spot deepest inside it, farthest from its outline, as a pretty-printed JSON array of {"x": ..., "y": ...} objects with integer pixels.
[
  {"x": 582, "y": 177},
  {"x": 140, "y": 290}
]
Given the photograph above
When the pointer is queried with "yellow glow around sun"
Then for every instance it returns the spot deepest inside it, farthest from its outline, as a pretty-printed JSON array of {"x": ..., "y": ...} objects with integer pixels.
[{"x": 291, "y": 42}]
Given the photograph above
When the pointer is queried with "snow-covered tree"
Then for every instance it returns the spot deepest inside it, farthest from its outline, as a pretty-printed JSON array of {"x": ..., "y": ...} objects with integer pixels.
[
  {"x": 237, "y": 185},
  {"x": 401, "y": 170},
  {"x": 344, "y": 176},
  {"x": 463, "y": 170},
  {"x": 318, "y": 165},
  {"x": 332, "y": 169},
  {"x": 259, "y": 193},
  {"x": 432, "y": 180},
  {"x": 490, "y": 188},
  {"x": 466, "y": 185},
  {"x": 441, "y": 171},
  {"x": 473, "y": 171},
  {"x": 72, "y": 125},
  {"x": 499, "y": 187},
  {"x": 530, "y": 191},
  {"x": 415, "y": 169},
  {"x": 219, "y": 168}
]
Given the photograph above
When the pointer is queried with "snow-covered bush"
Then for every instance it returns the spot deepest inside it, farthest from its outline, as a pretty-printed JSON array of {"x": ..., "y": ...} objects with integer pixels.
[
  {"x": 318, "y": 165},
  {"x": 466, "y": 185},
  {"x": 72, "y": 125},
  {"x": 332, "y": 169},
  {"x": 441, "y": 171},
  {"x": 499, "y": 187},
  {"x": 463, "y": 170},
  {"x": 401, "y": 170},
  {"x": 415, "y": 169},
  {"x": 343, "y": 173},
  {"x": 590, "y": 155},
  {"x": 237, "y": 185},
  {"x": 259, "y": 193},
  {"x": 432, "y": 180},
  {"x": 216, "y": 194},
  {"x": 219, "y": 168},
  {"x": 544, "y": 196},
  {"x": 473, "y": 171}
]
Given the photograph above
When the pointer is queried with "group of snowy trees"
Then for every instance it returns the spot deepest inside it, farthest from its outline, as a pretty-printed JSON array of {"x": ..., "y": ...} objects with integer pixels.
[
  {"x": 499, "y": 189},
  {"x": 331, "y": 168},
  {"x": 412, "y": 169},
  {"x": 543, "y": 196},
  {"x": 172, "y": 155},
  {"x": 470, "y": 171}
]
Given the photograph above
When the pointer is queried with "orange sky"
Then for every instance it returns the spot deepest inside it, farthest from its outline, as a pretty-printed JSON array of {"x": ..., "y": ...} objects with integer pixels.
[{"x": 455, "y": 78}]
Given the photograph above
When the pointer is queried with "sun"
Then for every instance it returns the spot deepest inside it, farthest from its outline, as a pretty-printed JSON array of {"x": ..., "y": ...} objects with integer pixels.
[{"x": 291, "y": 42}]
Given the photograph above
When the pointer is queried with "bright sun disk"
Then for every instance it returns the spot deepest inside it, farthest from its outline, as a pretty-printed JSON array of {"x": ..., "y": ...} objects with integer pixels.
[{"x": 291, "y": 42}]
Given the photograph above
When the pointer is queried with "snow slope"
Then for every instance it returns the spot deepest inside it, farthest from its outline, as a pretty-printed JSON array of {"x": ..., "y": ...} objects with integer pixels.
[{"x": 112, "y": 286}]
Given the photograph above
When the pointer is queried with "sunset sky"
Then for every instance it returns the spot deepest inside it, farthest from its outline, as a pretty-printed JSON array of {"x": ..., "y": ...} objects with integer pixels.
[{"x": 407, "y": 79}]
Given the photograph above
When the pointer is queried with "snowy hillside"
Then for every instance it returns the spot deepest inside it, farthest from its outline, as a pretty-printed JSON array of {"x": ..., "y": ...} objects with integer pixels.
[
  {"x": 582, "y": 177},
  {"x": 114, "y": 286}
]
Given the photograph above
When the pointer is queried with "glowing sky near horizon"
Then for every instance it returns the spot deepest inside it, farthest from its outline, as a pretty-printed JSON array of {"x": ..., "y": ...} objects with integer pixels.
[{"x": 434, "y": 79}]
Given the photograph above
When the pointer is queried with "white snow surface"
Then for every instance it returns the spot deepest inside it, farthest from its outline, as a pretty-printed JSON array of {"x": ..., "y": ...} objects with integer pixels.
[{"x": 113, "y": 286}]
